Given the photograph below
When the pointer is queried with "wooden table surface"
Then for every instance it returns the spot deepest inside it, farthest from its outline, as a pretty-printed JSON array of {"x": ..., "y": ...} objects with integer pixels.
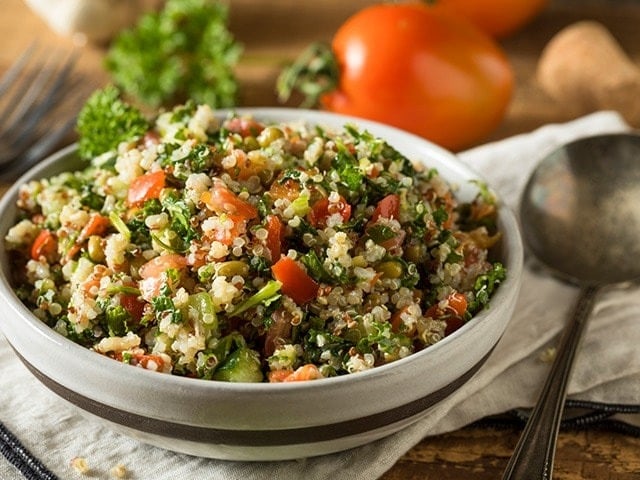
[{"x": 475, "y": 452}]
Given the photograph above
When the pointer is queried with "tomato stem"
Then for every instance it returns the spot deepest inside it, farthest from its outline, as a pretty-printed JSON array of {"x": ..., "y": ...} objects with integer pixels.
[{"x": 314, "y": 73}]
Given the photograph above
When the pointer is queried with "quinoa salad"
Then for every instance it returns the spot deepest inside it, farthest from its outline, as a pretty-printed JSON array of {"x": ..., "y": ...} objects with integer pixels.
[{"x": 240, "y": 250}]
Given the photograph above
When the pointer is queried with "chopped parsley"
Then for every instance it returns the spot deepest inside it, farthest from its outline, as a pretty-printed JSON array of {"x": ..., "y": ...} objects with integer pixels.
[
  {"x": 105, "y": 121},
  {"x": 183, "y": 51}
]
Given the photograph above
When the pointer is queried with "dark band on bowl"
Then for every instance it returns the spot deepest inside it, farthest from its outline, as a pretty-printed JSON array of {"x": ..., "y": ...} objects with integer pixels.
[{"x": 255, "y": 438}]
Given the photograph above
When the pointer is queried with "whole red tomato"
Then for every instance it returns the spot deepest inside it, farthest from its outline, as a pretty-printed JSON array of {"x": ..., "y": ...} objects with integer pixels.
[
  {"x": 498, "y": 18},
  {"x": 420, "y": 68}
]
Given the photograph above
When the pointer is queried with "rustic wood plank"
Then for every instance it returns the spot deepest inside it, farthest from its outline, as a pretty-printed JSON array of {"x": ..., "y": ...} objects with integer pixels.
[{"x": 482, "y": 453}]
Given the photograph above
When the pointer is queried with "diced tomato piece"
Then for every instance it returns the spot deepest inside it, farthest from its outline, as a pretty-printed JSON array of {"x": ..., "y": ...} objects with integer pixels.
[
  {"x": 305, "y": 372},
  {"x": 388, "y": 207},
  {"x": 90, "y": 286},
  {"x": 227, "y": 235},
  {"x": 288, "y": 189},
  {"x": 395, "y": 241},
  {"x": 150, "y": 287},
  {"x": 295, "y": 281},
  {"x": 275, "y": 237},
  {"x": 71, "y": 253},
  {"x": 145, "y": 187},
  {"x": 453, "y": 324},
  {"x": 148, "y": 361},
  {"x": 276, "y": 376},
  {"x": 246, "y": 166},
  {"x": 457, "y": 302},
  {"x": 452, "y": 313},
  {"x": 151, "y": 273},
  {"x": 134, "y": 305},
  {"x": 222, "y": 200},
  {"x": 396, "y": 319},
  {"x": 244, "y": 126},
  {"x": 45, "y": 245},
  {"x": 97, "y": 225},
  {"x": 323, "y": 209},
  {"x": 157, "y": 265}
]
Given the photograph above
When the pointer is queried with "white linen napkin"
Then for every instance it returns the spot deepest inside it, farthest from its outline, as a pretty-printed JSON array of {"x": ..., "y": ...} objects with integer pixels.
[{"x": 607, "y": 369}]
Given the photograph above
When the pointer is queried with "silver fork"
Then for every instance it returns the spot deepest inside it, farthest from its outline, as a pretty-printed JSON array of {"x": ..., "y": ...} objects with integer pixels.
[{"x": 31, "y": 92}]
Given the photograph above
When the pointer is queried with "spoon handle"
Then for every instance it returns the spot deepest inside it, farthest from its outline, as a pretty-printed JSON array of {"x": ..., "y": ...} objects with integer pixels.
[{"x": 533, "y": 455}]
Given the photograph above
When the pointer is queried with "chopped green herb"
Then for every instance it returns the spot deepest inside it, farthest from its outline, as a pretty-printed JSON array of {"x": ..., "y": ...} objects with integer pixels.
[
  {"x": 179, "y": 213},
  {"x": 265, "y": 295},
  {"x": 117, "y": 318},
  {"x": 315, "y": 267},
  {"x": 164, "y": 306},
  {"x": 105, "y": 121},
  {"x": 440, "y": 216},
  {"x": 119, "y": 224},
  {"x": 347, "y": 169},
  {"x": 484, "y": 287},
  {"x": 184, "y": 51}
]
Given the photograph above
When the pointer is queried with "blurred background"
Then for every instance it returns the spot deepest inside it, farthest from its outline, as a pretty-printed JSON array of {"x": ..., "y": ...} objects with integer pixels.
[{"x": 274, "y": 33}]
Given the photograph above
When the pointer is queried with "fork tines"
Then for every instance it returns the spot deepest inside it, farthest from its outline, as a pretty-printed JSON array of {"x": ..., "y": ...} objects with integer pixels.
[{"x": 30, "y": 92}]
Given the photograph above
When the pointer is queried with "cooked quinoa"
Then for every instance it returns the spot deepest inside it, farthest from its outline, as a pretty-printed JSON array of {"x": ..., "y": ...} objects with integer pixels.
[{"x": 232, "y": 249}]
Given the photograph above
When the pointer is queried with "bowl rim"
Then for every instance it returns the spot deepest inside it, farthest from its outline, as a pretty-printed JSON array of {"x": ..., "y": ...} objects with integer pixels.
[{"x": 512, "y": 253}]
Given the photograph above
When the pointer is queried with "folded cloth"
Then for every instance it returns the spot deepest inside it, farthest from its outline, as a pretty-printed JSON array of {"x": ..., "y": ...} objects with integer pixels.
[{"x": 607, "y": 370}]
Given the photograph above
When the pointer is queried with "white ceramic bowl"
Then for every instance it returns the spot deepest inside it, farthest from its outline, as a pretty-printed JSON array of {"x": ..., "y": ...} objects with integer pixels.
[{"x": 265, "y": 421}]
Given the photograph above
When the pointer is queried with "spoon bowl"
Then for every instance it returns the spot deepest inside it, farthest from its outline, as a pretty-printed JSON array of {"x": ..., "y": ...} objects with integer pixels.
[
  {"x": 580, "y": 211},
  {"x": 580, "y": 217}
]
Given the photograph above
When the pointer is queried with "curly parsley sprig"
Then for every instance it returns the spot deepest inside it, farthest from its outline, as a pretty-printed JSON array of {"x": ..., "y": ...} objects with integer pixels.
[
  {"x": 106, "y": 120},
  {"x": 182, "y": 51}
]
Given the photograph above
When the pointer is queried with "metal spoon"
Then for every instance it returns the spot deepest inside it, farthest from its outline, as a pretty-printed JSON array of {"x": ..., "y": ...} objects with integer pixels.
[{"x": 580, "y": 215}]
